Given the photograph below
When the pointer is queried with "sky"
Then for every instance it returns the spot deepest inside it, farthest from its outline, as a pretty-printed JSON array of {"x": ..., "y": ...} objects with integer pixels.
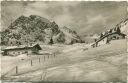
[{"x": 82, "y": 16}]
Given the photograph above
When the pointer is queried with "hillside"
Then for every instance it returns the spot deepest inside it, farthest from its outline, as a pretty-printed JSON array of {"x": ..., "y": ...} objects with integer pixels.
[
  {"x": 33, "y": 29},
  {"x": 68, "y": 36},
  {"x": 124, "y": 26},
  {"x": 103, "y": 63},
  {"x": 106, "y": 63}
]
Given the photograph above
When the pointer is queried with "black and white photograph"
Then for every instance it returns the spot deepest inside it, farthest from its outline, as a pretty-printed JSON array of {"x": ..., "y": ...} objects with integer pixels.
[{"x": 63, "y": 41}]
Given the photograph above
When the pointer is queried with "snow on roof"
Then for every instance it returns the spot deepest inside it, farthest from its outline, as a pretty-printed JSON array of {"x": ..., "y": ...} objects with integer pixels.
[{"x": 19, "y": 47}]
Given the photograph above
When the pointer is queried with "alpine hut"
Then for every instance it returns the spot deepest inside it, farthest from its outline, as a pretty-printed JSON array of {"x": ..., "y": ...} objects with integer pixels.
[{"x": 17, "y": 50}]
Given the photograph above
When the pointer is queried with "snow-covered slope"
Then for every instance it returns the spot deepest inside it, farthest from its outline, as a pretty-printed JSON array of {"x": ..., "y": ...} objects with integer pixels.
[
  {"x": 106, "y": 63},
  {"x": 74, "y": 63}
]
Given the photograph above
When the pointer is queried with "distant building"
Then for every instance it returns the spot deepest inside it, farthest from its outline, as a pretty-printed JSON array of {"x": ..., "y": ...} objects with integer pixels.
[
  {"x": 17, "y": 50},
  {"x": 118, "y": 32},
  {"x": 100, "y": 41},
  {"x": 105, "y": 39}
]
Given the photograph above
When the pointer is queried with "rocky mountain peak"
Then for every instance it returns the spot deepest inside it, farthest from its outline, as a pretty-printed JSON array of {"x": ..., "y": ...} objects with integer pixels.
[
  {"x": 36, "y": 28},
  {"x": 36, "y": 17}
]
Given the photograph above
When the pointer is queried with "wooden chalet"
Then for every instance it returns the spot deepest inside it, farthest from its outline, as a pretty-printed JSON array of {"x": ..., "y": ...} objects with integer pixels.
[{"x": 17, "y": 50}]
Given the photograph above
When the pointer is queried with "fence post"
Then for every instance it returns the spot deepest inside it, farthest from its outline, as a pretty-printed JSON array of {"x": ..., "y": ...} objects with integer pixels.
[
  {"x": 39, "y": 60},
  {"x": 44, "y": 58},
  {"x": 31, "y": 63},
  {"x": 54, "y": 55},
  {"x": 16, "y": 69},
  {"x": 48, "y": 56}
]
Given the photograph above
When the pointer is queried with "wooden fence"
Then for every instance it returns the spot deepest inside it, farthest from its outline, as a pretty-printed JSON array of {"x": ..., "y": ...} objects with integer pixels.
[{"x": 28, "y": 65}]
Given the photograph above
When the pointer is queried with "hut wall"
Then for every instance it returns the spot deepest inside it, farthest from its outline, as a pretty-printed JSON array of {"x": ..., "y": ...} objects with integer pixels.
[
  {"x": 102, "y": 41},
  {"x": 18, "y": 52}
]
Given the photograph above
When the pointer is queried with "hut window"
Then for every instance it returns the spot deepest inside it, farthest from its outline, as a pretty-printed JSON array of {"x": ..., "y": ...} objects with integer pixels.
[
  {"x": 18, "y": 52},
  {"x": 26, "y": 51},
  {"x": 13, "y": 52},
  {"x": 114, "y": 37}
]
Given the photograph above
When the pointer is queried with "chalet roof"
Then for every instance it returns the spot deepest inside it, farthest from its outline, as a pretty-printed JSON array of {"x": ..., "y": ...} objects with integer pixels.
[
  {"x": 106, "y": 36},
  {"x": 22, "y": 47}
]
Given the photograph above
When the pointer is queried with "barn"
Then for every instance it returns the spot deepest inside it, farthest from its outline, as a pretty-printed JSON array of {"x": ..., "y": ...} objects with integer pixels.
[{"x": 17, "y": 50}]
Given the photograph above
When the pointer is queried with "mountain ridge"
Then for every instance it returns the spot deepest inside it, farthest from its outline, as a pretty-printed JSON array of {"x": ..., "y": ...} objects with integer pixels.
[{"x": 35, "y": 28}]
